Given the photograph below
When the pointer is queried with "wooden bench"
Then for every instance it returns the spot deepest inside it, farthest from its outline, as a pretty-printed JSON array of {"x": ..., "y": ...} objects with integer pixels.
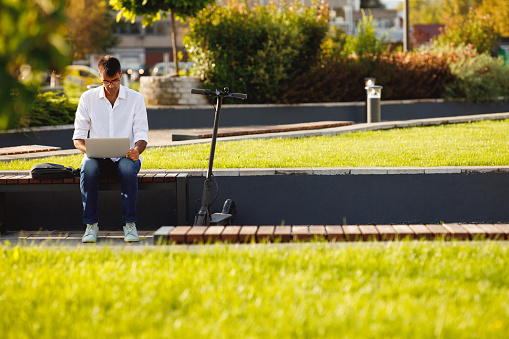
[{"x": 21, "y": 181}]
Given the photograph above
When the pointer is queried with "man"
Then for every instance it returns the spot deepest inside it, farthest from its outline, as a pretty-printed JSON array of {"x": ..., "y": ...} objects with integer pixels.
[{"x": 111, "y": 111}]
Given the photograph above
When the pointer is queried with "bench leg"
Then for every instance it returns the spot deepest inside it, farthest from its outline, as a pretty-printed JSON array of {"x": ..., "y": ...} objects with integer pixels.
[{"x": 182, "y": 198}]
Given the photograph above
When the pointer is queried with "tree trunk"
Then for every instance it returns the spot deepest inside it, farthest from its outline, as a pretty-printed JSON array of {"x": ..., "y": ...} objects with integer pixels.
[{"x": 174, "y": 41}]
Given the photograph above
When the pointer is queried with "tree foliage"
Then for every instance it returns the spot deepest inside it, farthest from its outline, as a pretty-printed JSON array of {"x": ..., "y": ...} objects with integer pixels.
[
  {"x": 155, "y": 10},
  {"x": 475, "y": 28},
  {"x": 365, "y": 42},
  {"x": 92, "y": 32},
  {"x": 256, "y": 49},
  {"x": 424, "y": 12},
  {"x": 31, "y": 43}
]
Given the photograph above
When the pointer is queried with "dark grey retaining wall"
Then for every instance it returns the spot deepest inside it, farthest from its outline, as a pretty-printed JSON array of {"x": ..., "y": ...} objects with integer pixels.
[
  {"x": 246, "y": 115},
  {"x": 176, "y": 117},
  {"x": 327, "y": 197}
]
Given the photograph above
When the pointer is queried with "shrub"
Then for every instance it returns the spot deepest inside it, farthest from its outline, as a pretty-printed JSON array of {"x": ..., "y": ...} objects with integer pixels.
[
  {"x": 477, "y": 76},
  {"x": 258, "y": 49},
  {"x": 403, "y": 75},
  {"x": 48, "y": 109}
]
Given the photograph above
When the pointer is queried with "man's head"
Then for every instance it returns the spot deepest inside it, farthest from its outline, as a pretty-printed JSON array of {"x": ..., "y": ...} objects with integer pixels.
[
  {"x": 109, "y": 66},
  {"x": 110, "y": 73}
]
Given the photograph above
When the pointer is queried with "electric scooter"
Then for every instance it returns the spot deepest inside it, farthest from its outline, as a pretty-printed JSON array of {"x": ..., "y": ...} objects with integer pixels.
[{"x": 228, "y": 213}]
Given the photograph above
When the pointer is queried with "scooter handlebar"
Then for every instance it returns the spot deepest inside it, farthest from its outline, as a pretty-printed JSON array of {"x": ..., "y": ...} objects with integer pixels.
[
  {"x": 241, "y": 96},
  {"x": 201, "y": 91}
]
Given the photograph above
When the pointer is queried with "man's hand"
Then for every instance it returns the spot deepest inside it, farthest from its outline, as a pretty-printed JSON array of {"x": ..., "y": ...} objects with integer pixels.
[{"x": 134, "y": 153}]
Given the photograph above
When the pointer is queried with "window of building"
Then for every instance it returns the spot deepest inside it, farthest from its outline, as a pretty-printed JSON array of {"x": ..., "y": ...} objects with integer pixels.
[
  {"x": 126, "y": 28},
  {"x": 158, "y": 28}
]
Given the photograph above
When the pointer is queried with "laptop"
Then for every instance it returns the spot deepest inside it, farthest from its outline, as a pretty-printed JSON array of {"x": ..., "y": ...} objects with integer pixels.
[{"x": 107, "y": 147}]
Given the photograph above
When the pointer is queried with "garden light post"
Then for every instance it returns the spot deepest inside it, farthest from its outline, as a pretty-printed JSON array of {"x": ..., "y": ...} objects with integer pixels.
[
  {"x": 369, "y": 81},
  {"x": 374, "y": 96}
]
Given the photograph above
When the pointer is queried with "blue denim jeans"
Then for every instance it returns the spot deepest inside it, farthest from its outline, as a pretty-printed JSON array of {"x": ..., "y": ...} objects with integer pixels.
[{"x": 127, "y": 171}]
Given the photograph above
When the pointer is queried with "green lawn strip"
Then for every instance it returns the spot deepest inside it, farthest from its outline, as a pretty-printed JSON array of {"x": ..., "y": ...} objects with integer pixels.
[
  {"x": 484, "y": 143},
  {"x": 406, "y": 290}
]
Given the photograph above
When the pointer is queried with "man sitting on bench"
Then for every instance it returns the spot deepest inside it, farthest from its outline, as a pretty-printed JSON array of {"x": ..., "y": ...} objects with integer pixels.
[{"x": 111, "y": 111}]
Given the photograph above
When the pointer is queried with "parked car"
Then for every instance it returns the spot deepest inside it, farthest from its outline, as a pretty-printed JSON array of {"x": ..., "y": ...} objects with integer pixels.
[
  {"x": 81, "y": 76},
  {"x": 161, "y": 69}
]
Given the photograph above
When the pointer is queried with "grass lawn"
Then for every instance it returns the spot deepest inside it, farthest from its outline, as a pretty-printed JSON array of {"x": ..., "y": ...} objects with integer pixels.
[
  {"x": 406, "y": 290},
  {"x": 483, "y": 143}
]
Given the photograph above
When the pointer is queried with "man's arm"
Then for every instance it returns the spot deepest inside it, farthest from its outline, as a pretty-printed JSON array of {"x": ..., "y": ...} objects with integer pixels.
[
  {"x": 80, "y": 144},
  {"x": 134, "y": 153}
]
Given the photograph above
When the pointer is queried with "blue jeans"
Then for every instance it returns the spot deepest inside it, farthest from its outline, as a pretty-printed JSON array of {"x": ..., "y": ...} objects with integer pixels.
[{"x": 127, "y": 171}]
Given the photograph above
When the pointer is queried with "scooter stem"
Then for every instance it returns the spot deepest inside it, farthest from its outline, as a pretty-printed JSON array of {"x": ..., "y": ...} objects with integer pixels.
[{"x": 219, "y": 101}]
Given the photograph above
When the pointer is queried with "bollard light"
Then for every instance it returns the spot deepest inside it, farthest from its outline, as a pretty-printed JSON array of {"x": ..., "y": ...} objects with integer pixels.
[
  {"x": 369, "y": 81},
  {"x": 374, "y": 96}
]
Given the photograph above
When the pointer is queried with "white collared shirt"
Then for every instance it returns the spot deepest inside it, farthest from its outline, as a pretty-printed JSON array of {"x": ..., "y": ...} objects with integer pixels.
[{"x": 126, "y": 119}]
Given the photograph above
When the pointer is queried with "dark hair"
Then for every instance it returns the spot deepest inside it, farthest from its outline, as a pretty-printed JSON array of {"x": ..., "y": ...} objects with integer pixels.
[{"x": 109, "y": 65}]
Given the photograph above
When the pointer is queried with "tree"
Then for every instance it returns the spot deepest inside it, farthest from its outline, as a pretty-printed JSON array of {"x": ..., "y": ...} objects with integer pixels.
[
  {"x": 498, "y": 10},
  {"x": 425, "y": 12},
  {"x": 92, "y": 32},
  {"x": 475, "y": 29},
  {"x": 31, "y": 43},
  {"x": 155, "y": 9}
]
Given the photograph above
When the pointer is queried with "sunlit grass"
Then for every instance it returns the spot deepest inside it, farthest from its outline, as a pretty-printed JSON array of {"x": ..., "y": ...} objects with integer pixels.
[
  {"x": 404, "y": 290},
  {"x": 483, "y": 143}
]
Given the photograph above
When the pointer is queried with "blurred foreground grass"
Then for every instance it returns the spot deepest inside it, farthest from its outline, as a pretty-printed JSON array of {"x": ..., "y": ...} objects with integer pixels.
[
  {"x": 406, "y": 290},
  {"x": 484, "y": 143}
]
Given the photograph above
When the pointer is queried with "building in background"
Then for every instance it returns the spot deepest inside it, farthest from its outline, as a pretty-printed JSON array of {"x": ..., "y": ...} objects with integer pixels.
[{"x": 140, "y": 48}]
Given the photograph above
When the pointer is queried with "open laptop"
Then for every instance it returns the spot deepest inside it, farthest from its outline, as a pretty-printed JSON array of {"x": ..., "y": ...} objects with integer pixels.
[{"x": 107, "y": 147}]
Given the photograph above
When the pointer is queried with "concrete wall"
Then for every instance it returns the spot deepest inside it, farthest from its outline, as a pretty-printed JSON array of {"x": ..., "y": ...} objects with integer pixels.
[{"x": 297, "y": 196}]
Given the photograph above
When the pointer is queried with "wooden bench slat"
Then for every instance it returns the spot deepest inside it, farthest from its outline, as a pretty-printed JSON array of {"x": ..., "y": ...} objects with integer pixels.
[
  {"x": 247, "y": 234},
  {"x": 196, "y": 234},
  {"x": 231, "y": 234},
  {"x": 475, "y": 232},
  {"x": 504, "y": 228},
  {"x": 403, "y": 232},
  {"x": 439, "y": 231},
  {"x": 265, "y": 233},
  {"x": 352, "y": 233},
  {"x": 458, "y": 232},
  {"x": 387, "y": 232},
  {"x": 493, "y": 232},
  {"x": 369, "y": 232},
  {"x": 317, "y": 232},
  {"x": 178, "y": 234},
  {"x": 300, "y": 233},
  {"x": 283, "y": 233},
  {"x": 213, "y": 233},
  {"x": 334, "y": 233},
  {"x": 422, "y": 232}
]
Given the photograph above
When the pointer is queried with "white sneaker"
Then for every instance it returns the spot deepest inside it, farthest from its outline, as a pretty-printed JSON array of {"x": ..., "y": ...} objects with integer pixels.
[
  {"x": 91, "y": 233},
  {"x": 130, "y": 232}
]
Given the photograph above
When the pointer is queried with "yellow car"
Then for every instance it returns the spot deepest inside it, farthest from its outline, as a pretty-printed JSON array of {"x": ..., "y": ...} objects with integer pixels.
[{"x": 81, "y": 76}]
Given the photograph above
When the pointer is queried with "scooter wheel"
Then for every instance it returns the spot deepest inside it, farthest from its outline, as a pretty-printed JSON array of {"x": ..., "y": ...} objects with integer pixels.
[{"x": 229, "y": 208}]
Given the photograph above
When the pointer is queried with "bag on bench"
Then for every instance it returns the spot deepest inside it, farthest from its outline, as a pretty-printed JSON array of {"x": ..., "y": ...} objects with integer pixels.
[{"x": 53, "y": 171}]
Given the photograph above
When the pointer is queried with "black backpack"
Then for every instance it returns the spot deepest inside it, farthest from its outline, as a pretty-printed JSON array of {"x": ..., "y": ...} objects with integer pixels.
[{"x": 53, "y": 171}]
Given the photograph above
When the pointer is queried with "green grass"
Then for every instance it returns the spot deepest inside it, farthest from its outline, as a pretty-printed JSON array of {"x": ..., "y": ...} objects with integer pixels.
[
  {"x": 483, "y": 143},
  {"x": 404, "y": 290}
]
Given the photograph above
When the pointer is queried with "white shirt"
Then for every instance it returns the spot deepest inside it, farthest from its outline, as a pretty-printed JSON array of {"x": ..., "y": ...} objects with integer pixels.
[{"x": 126, "y": 119}]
